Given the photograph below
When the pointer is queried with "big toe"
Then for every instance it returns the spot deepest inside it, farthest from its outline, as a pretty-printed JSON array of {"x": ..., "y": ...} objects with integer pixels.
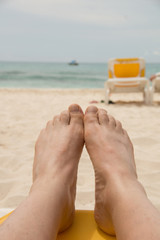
[
  {"x": 76, "y": 114},
  {"x": 91, "y": 115}
]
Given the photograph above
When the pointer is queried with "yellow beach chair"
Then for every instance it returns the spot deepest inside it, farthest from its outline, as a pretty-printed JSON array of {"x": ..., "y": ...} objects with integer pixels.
[
  {"x": 83, "y": 228},
  {"x": 155, "y": 88},
  {"x": 127, "y": 75}
]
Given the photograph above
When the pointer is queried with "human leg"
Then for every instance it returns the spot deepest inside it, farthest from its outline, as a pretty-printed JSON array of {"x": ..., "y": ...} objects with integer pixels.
[
  {"x": 49, "y": 208},
  {"x": 121, "y": 201}
]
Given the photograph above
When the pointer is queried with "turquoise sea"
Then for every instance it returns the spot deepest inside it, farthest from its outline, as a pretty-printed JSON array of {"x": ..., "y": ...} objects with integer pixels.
[{"x": 58, "y": 75}]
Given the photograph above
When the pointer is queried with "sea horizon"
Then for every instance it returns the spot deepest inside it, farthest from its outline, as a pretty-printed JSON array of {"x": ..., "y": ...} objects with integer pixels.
[
  {"x": 54, "y": 61},
  {"x": 58, "y": 74}
]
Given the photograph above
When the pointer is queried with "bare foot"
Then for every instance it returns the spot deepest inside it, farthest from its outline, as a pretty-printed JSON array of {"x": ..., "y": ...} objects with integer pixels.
[
  {"x": 57, "y": 153},
  {"x": 111, "y": 152}
]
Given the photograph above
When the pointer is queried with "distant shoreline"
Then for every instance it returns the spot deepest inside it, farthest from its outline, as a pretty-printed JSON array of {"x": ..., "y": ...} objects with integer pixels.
[{"x": 63, "y": 62}]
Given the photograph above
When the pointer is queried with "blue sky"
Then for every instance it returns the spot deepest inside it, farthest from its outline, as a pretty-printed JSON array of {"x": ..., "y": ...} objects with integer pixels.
[{"x": 86, "y": 30}]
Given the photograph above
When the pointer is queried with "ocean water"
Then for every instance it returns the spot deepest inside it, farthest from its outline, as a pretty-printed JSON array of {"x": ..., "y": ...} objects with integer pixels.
[{"x": 58, "y": 75}]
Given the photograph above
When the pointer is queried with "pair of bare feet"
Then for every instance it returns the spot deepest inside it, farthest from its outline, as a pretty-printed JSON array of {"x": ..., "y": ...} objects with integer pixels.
[
  {"x": 57, "y": 154},
  {"x": 121, "y": 205}
]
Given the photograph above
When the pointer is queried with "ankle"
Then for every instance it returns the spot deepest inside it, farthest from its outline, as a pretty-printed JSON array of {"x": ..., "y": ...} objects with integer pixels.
[
  {"x": 122, "y": 189},
  {"x": 46, "y": 184},
  {"x": 48, "y": 177}
]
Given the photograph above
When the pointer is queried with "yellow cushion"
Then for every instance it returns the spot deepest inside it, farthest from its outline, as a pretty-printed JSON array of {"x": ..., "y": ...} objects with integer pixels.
[
  {"x": 83, "y": 228},
  {"x": 110, "y": 75},
  {"x": 126, "y": 59},
  {"x": 142, "y": 73},
  {"x": 126, "y": 70},
  {"x": 2, "y": 219}
]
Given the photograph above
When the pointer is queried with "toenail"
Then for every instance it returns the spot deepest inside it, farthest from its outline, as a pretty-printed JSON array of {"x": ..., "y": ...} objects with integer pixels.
[
  {"x": 91, "y": 109},
  {"x": 74, "y": 108},
  {"x": 101, "y": 110}
]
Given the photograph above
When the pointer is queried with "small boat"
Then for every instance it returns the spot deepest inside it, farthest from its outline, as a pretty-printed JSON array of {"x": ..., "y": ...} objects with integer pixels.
[{"x": 73, "y": 62}]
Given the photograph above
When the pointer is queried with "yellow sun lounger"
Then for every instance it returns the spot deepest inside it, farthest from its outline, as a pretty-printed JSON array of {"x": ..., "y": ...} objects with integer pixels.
[
  {"x": 127, "y": 75},
  {"x": 83, "y": 228}
]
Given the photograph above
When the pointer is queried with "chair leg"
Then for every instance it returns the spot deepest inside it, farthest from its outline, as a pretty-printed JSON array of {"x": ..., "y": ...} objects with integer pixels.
[
  {"x": 146, "y": 96},
  {"x": 151, "y": 91},
  {"x": 107, "y": 93}
]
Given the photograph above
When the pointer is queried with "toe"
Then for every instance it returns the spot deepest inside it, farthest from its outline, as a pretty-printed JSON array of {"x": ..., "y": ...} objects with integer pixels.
[
  {"x": 112, "y": 121},
  {"x": 119, "y": 126},
  {"x": 103, "y": 117},
  {"x": 56, "y": 120},
  {"x": 49, "y": 125},
  {"x": 91, "y": 115},
  {"x": 65, "y": 117},
  {"x": 76, "y": 114}
]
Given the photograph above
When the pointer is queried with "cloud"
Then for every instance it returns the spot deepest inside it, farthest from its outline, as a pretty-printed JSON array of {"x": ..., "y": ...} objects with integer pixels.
[
  {"x": 90, "y": 11},
  {"x": 157, "y": 53},
  {"x": 113, "y": 13}
]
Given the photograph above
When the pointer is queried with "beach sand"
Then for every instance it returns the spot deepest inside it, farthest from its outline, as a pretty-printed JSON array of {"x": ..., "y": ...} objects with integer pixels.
[{"x": 25, "y": 112}]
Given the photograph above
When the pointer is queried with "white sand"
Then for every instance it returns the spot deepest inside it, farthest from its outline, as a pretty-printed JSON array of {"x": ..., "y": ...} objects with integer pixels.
[{"x": 25, "y": 112}]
